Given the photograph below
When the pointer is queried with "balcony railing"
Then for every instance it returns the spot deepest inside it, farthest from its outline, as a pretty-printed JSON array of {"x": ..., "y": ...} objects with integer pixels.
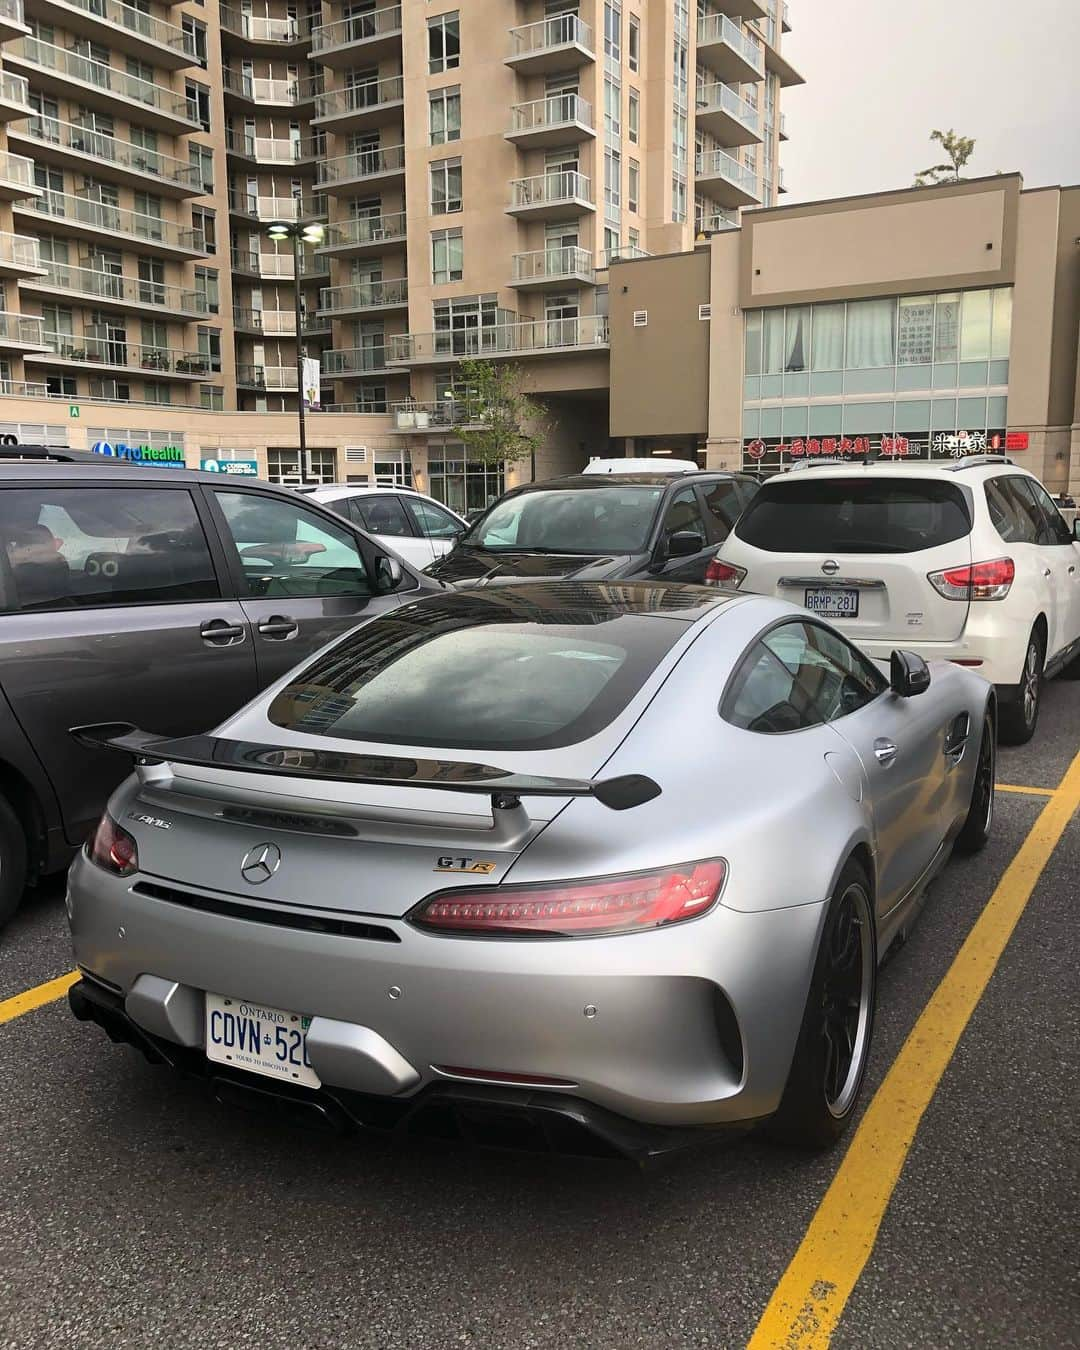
[
  {"x": 14, "y": 89},
  {"x": 365, "y": 164},
  {"x": 276, "y": 208},
  {"x": 550, "y": 263},
  {"x": 24, "y": 389},
  {"x": 719, "y": 164},
  {"x": 260, "y": 29},
  {"x": 267, "y": 377},
  {"x": 118, "y": 220},
  {"x": 280, "y": 265},
  {"x": 719, "y": 98},
  {"x": 359, "y": 28},
  {"x": 111, "y": 150},
  {"x": 122, "y": 290},
  {"x": 530, "y": 335},
  {"x": 108, "y": 78},
  {"x": 719, "y": 28},
  {"x": 716, "y": 221},
  {"x": 365, "y": 230},
  {"x": 270, "y": 321},
  {"x": 360, "y": 97},
  {"x": 547, "y": 189},
  {"x": 364, "y": 295},
  {"x": 16, "y": 169},
  {"x": 129, "y": 355},
  {"x": 354, "y": 360},
  {"x": 19, "y": 250},
  {"x": 563, "y": 30},
  {"x": 25, "y": 329},
  {"x": 260, "y": 89},
  {"x": 448, "y": 412},
  {"x": 270, "y": 149},
  {"x": 555, "y": 111},
  {"x": 135, "y": 21},
  {"x": 621, "y": 253}
]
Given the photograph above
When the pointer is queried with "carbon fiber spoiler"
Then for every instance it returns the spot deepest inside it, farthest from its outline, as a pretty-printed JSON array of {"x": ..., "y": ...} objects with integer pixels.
[{"x": 501, "y": 785}]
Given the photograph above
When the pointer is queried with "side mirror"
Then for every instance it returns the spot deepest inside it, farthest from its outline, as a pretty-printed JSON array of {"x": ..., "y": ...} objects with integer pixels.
[
  {"x": 389, "y": 573},
  {"x": 1076, "y": 528},
  {"x": 684, "y": 544},
  {"x": 909, "y": 674}
]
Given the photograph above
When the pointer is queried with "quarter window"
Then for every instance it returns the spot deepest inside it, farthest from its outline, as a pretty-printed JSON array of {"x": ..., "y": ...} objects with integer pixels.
[
  {"x": 722, "y": 508},
  {"x": 288, "y": 552}
]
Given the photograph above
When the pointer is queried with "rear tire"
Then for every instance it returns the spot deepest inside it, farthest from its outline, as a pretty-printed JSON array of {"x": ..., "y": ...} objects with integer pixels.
[
  {"x": 833, "y": 1048},
  {"x": 980, "y": 816},
  {"x": 1019, "y": 715},
  {"x": 12, "y": 861}
]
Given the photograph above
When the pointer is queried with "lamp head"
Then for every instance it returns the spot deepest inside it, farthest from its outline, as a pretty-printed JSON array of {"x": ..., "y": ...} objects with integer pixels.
[
  {"x": 279, "y": 231},
  {"x": 313, "y": 233}
]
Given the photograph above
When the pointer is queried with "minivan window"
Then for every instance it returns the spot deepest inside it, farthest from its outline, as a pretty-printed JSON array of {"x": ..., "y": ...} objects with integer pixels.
[
  {"x": 288, "y": 551},
  {"x": 67, "y": 548},
  {"x": 616, "y": 518},
  {"x": 854, "y": 515},
  {"x": 380, "y": 514}
]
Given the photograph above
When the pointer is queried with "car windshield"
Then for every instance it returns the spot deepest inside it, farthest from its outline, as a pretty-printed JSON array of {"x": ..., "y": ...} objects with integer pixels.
[
  {"x": 854, "y": 515},
  {"x": 612, "y": 519},
  {"x": 477, "y": 674}
]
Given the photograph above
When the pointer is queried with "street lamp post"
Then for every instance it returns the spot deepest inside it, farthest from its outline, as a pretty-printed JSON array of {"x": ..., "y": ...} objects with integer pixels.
[{"x": 299, "y": 234}]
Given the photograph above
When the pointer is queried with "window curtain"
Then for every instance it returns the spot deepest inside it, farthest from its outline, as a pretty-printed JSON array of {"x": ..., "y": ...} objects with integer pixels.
[
  {"x": 797, "y": 338},
  {"x": 828, "y": 337},
  {"x": 871, "y": 334}
]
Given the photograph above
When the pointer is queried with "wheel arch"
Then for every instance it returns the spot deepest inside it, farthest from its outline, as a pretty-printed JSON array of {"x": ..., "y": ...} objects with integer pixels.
[{"x": 24, "y": 801}]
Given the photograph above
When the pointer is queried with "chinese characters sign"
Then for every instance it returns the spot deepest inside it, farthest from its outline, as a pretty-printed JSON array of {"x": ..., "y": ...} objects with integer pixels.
[{"x": 775, "y": 452}]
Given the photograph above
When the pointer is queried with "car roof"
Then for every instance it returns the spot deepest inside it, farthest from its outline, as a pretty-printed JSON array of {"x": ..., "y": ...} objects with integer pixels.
[
  {"x": 100, "y": 467},
  {"x": 958, "y": 471},
  {"x": 569, "y": 602},
  {"x": 600, "y": 481},
  {"x": 355, "y": 489}
]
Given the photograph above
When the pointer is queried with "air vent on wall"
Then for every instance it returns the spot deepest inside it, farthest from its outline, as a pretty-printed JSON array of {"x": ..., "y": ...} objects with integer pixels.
[
  {"x": 641, "y": 318},
  {"x": 356, "y": 455},
  {"x": 704, "y": 311}
]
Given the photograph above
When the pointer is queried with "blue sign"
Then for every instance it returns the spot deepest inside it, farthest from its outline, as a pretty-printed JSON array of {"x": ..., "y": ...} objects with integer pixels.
[
  {"x": 242, "y": 468},
  {"x": 156, "y": 456}
]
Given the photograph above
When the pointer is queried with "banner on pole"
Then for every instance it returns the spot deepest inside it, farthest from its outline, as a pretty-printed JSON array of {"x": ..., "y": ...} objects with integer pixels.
[{"x": 311, "y": 383}]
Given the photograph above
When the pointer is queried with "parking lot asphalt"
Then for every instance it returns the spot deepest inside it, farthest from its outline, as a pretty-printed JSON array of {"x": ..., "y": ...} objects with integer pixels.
[{"x": 134, "y": 1212}]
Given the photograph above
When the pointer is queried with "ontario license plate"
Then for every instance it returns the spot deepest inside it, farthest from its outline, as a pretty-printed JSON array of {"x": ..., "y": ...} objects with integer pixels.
[
  {"x": 262, "y": 1040},
  {"x": 832, "y": 604}
]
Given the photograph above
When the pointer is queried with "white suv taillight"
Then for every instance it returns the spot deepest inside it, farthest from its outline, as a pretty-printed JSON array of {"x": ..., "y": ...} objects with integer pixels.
[
  {"x": 721, "y": 573},
  {"x": 979, "y": 581}
]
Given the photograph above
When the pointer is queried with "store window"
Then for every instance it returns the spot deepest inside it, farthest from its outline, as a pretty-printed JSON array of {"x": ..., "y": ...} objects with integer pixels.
[
  {"x": 460, "y": 481},
  {"x": 283, "y": 466}
]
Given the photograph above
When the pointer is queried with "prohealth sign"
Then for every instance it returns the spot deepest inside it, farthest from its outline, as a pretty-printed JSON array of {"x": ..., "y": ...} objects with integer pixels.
[{"x": 156, "y": 456}]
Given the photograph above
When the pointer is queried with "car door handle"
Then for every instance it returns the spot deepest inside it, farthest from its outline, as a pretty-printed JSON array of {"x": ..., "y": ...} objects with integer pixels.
[
  {"x": 279, "y": 627},
  {"x": 884, "y": 751},
  {"x": 221, "y": 633},
  {"x": 1046, "y": 571},
  {"x": 1072, "y": 568}
]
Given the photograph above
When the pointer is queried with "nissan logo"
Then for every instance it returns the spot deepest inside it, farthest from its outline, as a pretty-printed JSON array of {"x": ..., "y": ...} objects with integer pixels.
[
  {"x": 260, "y": 863},
  {"x": 830, "y": 568}
]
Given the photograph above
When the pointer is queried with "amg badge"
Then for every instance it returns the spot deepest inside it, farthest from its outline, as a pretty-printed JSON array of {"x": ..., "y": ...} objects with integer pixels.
[
  {"x": 474, "y": 865},
  {"x": 156, "y": 821}
]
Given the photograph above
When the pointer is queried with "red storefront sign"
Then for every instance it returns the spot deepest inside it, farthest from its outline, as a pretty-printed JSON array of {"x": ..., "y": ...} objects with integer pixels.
[{"x": 1016, "y": 440}]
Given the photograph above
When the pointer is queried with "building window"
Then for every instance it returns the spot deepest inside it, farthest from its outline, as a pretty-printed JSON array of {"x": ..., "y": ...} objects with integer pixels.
[
  {"x": 283, "y": 466},
  {"x": 633, "y": 43},
  {"x": 201, "y": 159},
  {"x": 210, "y": 348},
  {"x": 612, "y": 109},
  {"x": 198, "y": 103},
  {"x": 633, "y": 184},
  {"x": 444, "y": 114},
  {"x": 612, "y": 180},
  {"x": 156, "y": 393},
  {"x": 613, "y": 31},
  {"x": 444, "y": 43},
  {"x": 445, "y": 186},
  {"x": 204, "y": 222},
  {"x": 61, "y": 386},
  {"x": 371, "y": 398},
  {"x": 196, "y": 38},
  {"x": 461, "y": 482},
  {"x": 611, "y": 243},
  {"x": 447, "y": 257},
  {"x": 633, "y": 116},
  {"x": 206, "y": 289},
  {"x": 212, "y": 397},
  {"x": 633, "y": 239}
]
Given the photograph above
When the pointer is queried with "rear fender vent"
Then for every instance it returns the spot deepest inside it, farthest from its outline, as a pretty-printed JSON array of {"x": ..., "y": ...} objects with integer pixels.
[{"x": 280, "y": 918}]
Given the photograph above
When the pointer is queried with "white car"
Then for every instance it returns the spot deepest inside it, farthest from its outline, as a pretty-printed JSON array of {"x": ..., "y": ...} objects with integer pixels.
[
  {"x": 415, "y": 527},
  {"x": 969, "y": 562}
]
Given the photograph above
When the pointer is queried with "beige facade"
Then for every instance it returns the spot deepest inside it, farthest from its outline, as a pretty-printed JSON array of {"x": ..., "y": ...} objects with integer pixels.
[
  {"x": 477, "y": 168},
  {"x": 938, "y": 319}
]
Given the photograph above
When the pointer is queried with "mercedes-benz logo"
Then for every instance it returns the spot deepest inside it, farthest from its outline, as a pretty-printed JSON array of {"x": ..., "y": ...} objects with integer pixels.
[
  {"x": 830, "y": 568},
  {"x": 260, "y": 863}
]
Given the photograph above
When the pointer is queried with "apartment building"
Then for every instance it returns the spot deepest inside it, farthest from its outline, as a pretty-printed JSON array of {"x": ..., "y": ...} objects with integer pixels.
[{"x": 476, "y": 164}]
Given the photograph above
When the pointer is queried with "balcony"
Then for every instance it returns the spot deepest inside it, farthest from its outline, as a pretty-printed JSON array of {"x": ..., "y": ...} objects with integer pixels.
[
  {"x": 12, "y": 20},
  {"x": 734, "y": 56},
  {"x": 23, "y": 389},
  {"x": 127, "y": 357},
  {"x": 279, "y": 266},
  {"x": 275, "y": 151},
  {"x": 560, "y": 43},
  {"x": 785, "y": 17},
  {"x": 350, "y": 238},
  {"x": 780, "y": 67},
  {"x": 356, "y": 106},
  {"x": 267, "y": 377},
  {"x": 782, "y": 125},
  {"x": 410, "y": 416},
  {"x": 244, "y": 32},
  {"x": 16, "y": 177},
  {"x": 362, "y": 37},
  {"x": 21, "y": 332},
  {"x": 108, "y": 291},
  {"x": 551, "y": 196},
  {"x": 123, "y": 27},
  {"x": 363, "y": 297},
  {"x": 91, "y": 152},
  {"x": 557, "y": 120},
  {"x": 88, "y": 219},
  {"x": 14, "y": 94},
  {"x": 738, "y": 9},
  {"x": 264, "y": 92},
  {"x": 353, "y": 362},
  {"x": 716, "y": 221},
  {"x": 95, "y": 85},
  {"x": 383, "y": 164},
  {"x": 19, "y": 256},
  {"x": 731, "y": 119},
  {"x": 725, "y": 180},
  {"x": 276, "y": 322},
  {"x": 552, "y": 269},
  {"x": 276, "y": 208},
  {"x": 530, "y": 337}
]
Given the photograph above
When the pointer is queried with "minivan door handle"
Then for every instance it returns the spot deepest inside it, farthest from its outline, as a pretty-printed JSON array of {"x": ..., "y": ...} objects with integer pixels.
[
  {"x": 221, "y": 633},
  {"x": 278, "y": 627},
  {"x": 884, "y": 751}
]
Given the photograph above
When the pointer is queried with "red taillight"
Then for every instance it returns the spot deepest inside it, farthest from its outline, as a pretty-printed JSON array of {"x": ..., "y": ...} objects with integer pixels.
[
  {"x": 720, "y": 573},
  {"x": 113, "y": 848},
  {"x": 624, "y": 904},
  {"x": 980, "y": 581}
]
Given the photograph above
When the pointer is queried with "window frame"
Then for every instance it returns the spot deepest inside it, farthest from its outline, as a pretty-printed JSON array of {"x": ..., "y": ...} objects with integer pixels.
[{"x": 440, "y": 23}]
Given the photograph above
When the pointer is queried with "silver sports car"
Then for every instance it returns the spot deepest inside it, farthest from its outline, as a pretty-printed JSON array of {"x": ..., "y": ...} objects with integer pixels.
[{"x": 588, "y": 865}]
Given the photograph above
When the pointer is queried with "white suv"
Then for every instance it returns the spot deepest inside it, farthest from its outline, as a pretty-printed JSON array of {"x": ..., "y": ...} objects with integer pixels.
[{"x": 968, "y": 562}]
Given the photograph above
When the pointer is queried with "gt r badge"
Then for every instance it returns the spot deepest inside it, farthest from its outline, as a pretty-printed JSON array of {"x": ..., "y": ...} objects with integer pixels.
[
  {"x": 474, "y": 865},
  {"x": 156, "y": 821}
]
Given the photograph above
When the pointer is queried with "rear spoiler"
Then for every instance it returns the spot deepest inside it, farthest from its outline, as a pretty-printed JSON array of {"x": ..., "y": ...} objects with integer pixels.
[{"x": 504, "y": 787}]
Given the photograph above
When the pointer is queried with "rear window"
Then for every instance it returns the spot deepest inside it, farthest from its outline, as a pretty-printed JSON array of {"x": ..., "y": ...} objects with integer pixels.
[
  {"x": 452, "y": 675},
  {"x": 615, "y": 519},
  {"x": 854, "y": 515}
]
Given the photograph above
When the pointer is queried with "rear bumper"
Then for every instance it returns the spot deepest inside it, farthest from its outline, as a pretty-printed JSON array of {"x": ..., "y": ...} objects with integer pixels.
[
  {"x": 689, "y": 1026},
  {"x": 1000, "y": 656}
]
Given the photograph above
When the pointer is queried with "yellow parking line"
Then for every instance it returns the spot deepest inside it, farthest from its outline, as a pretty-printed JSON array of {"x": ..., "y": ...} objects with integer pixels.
[
  {"x": 1028, "y": 791},
  {"x": 806, "y": 1305},
  {"x": 37, "y": 997}
]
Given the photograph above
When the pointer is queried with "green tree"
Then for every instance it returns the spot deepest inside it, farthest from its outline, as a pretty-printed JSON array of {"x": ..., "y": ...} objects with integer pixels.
[
  {"x": 959, "y": 150},
  {"x": 509, "y": 425}
]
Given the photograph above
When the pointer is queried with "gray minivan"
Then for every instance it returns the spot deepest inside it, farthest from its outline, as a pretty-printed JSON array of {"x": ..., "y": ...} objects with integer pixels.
[{"x": 162, "y": 597}]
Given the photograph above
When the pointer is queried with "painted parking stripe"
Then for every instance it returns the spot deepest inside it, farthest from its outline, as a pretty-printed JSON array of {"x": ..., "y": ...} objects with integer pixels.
[
  {"x": 807, "y": 1303},
  {"x": 37, "y": 997},
  {"x": 1028, "y": 791}
]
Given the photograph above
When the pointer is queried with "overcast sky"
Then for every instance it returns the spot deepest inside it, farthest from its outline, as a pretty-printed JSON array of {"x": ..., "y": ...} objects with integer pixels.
[{"x": 881, "y": 74}]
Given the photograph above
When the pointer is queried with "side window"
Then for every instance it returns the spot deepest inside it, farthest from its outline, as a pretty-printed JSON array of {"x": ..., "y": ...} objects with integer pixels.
[
  {"x": 722, "y": 508},
  {"x": 381, "y": 514},
  {"x": 684, "y": 513},
  {"x": 748, "y": 490},
  {"x": 288, "y": 551},
  {"x": 1004, "y": 511},
  {"x": 68, "y": 548},
  {"x": 799, "y": 675},
  {"x": 430, "y": 520},
  {"x": 1030, "y": 524},
  {"x": 1057, "y": 531}
]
